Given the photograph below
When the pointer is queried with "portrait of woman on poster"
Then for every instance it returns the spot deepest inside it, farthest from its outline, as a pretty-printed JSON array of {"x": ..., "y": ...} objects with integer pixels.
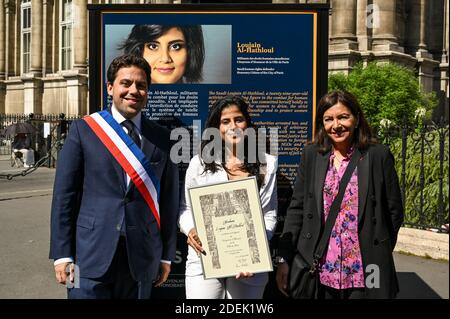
[
  {"x": 231, "y": 117},
  {"x": 175, "y": 53},
  {"x": 368, "y": 218}
]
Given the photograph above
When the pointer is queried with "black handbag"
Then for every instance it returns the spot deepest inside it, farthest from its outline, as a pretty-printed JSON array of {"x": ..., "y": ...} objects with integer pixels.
[{"x": 303, "y": 280}]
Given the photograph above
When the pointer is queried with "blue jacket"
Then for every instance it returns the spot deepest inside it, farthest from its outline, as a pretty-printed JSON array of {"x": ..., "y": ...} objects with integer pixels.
[{"x": 91, "y": 201}]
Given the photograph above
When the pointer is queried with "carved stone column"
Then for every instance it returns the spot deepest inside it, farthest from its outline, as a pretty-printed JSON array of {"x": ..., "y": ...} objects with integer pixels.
[
  {"x": 343, "y": 45},
  {"x": 2, "y": 56},
  {"x": 364, "y": 25},
  {"x": 32, "y": 94},
  {"x": 423, "y": 25},
  {"x": 80, "y": 37},
  {"x": 10, "y": 39},
  {"x": 47, "y": 35},
  {"x": 77, "y": 92},
  {"x": 2, "y": 39},
  {"x": 343, "y": 25},
  {"x": 384, "y": 34},
  {"x": 36, "y": 37}
]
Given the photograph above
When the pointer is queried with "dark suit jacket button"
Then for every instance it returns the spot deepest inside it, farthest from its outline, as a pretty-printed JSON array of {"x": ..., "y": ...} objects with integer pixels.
[
  {"x": 308, "y": 235},
  {"x": 375, "y": 242},
  {"x": 310, "y": 216},
  {"x": 374, "y": 220},
  {"x": 310, "y": 195}
]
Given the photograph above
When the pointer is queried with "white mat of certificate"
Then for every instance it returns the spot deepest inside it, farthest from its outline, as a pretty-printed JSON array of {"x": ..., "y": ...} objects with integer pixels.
[{"x": 230, "y": 224}]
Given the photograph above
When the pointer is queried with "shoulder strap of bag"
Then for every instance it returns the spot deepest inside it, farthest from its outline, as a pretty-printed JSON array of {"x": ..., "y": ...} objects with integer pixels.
[{"x": 335, "y": 207}]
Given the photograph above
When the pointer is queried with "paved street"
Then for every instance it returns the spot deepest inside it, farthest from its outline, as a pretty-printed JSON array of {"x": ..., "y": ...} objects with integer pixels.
[{"x": 26, "y": 271}]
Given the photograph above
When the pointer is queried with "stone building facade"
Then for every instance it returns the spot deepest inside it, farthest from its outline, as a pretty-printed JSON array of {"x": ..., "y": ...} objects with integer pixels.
[{"x": 44, "y": 46}]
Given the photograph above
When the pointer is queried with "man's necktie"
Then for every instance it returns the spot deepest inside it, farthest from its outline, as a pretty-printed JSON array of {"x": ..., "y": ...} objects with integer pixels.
[{"x": 131, "y": 132}]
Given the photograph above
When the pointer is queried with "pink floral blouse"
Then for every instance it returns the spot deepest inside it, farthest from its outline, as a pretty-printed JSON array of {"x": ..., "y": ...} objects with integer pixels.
[{"x": 342, "y": 268}]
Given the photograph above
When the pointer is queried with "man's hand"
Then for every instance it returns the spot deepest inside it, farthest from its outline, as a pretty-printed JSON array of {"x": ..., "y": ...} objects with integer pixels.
[
  {"x": 61, "y": 274},
  {"x": 281, "y": 278},
  {"x": 164, "y": 271},
  {"x": 194, "y": 241}
]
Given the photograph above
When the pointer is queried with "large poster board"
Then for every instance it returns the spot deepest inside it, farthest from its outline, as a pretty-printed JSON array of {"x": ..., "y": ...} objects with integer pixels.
[{"x": 274, "y": 56}]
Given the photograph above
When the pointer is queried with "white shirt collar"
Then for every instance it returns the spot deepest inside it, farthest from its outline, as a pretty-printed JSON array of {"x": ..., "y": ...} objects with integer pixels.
[{"x": 120, "y": 118}]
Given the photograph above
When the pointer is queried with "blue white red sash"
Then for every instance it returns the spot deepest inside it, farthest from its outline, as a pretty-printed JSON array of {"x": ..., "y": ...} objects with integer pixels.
[{"x": 128, "y": 155}]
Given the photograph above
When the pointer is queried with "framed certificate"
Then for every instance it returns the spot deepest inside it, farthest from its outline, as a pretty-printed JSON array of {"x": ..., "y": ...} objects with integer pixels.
[{"x": 229, "y": 221}]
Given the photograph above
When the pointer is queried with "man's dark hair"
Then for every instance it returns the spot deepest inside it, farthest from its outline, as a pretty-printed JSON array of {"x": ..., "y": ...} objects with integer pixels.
[
  {"x": 193, "y": 35},
  {"x": 126, "y": 61},
  {"x": 362, "y": 136}
]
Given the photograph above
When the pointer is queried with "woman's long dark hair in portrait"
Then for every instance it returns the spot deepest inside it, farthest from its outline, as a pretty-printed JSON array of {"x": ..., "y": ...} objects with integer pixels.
[
  {"x": 193, "y": 34},
  {"x": 213, "y": 121},
  {"x": 362, "y": 137}
]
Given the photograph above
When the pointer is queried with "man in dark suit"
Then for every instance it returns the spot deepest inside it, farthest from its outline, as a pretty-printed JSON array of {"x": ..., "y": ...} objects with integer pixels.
[{"x": 119, "y": 232}]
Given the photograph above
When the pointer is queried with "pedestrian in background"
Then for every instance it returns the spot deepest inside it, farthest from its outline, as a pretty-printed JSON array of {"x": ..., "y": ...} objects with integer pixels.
[{"x": 22, "y": 144}]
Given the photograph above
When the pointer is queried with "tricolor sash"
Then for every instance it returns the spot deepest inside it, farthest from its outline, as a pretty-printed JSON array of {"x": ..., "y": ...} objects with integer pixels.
[{"x": 128, "y": 155}]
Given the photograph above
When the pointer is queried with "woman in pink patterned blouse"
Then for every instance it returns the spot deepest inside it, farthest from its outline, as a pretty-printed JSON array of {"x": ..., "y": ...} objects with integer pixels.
[{"x": 358, "y": 262}]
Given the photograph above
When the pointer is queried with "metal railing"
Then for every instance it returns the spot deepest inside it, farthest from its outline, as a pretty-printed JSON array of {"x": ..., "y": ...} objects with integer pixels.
[
  {"x": 50, "y": 127},
  {"x": 421, "y": 152}
]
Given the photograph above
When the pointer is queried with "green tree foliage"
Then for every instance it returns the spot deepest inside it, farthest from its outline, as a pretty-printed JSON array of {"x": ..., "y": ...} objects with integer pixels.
[
  {"x": 431, "y": 175},
  {"x": 386, "y": 91}
]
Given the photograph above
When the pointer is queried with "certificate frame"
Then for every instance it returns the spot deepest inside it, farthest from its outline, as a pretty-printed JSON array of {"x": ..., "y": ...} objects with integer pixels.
[{"x": 229, "y": 221}]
